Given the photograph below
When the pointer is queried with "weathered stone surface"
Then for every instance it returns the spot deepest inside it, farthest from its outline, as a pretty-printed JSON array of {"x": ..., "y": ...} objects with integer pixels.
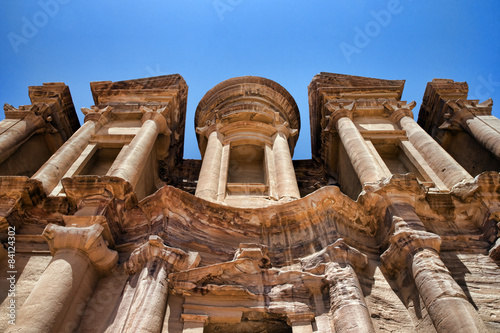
[{"x": 380, "y": 231}]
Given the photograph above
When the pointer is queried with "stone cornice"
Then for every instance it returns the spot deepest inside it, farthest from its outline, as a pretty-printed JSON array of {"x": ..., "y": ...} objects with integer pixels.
[{"x": 89, "y": 240}]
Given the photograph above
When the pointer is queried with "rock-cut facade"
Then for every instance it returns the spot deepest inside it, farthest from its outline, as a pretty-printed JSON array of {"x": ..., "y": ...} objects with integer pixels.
[{"x": 392, "y": 225}]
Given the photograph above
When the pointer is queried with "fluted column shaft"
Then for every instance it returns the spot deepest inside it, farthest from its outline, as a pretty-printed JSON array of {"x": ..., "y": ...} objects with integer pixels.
[
  {"x": 438, "y": 159},
  {"x": 362, "y": 160},
  {"x": 208, "y": 182},
  {"x": 347, "y": 303},
  {"x": 285, "y": 172},
  {"x": 58, "y": 299}
]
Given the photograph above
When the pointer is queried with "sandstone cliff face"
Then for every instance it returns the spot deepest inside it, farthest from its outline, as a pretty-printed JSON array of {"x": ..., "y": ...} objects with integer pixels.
[{"x": 382, "y": 231}]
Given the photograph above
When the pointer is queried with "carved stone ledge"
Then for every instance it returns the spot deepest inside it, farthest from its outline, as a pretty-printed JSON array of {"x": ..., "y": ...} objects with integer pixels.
[
  {"x": 254, "y": 251},
  {"x": 338, "y": 252},
  {"x": 194, "y": 318},
  {"x": 294, "y": 318},
  {"x": 88, "y": 240},
  {"x": 86, "y": 221},
  {"x": 97, "y": 188},
  {"x": 485, "y": 185},
  {"x": 154, "y": 248}
]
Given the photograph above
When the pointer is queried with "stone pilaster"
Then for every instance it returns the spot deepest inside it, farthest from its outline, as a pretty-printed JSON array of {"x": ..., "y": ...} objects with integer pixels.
[
  {"x": 58, "y": 299},
  {"x": 56, "y": 167},
  {"x": 131, "y": 160}
]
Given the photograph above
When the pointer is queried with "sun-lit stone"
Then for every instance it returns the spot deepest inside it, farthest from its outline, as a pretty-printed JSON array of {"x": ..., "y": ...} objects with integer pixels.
[{"x": 392, "y": 225}]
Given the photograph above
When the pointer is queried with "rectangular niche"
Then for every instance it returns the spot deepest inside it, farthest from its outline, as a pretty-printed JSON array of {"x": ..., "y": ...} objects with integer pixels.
[
  {"x": 101, "y": 161},
  {"x": 396, "y": 160},
  {"x": 246, "y": 171}
]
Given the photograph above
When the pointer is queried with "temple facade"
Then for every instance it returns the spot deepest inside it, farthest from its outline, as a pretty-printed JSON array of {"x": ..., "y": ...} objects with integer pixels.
[{"x": 392, "y": 225}]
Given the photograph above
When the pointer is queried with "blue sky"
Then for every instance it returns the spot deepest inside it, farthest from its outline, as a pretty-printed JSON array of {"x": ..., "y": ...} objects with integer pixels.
[{"x": 208, "y": 41}]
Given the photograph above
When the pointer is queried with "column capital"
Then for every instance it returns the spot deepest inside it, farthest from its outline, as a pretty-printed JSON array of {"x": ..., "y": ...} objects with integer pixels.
[
  {"x": 283, "y": 127},
  {"x": 404, "y": 243},
  {"x": 459, "y": 111},
  {"x": 101, "y": 116},
  {"x": 399, "y": 110},
  {"x": 39, "y": 114},
  {"x": 88, "y": 240},
  {"x": 337, "y": 111},
  {"x": 210, "y": 127},
  {"x": 155, "y": 248},
  {"x": 158, "y": 115},
  {"x": 338, "y": 252}
]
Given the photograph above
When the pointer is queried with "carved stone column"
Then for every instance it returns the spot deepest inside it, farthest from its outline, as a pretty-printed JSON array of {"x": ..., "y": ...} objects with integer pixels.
[
  {"x": 348, "y": 308},
  {"x": 446, "y": 303},
  {"x": 362, "y": 159},
  {"x": 20, "y": 128},
  {"x": 466, "y": 116},
  {"x": 286, "y": 180},
  {"x": 152, "y": 262},
  {"x": 54, "y": 169},
  {"x": 208, "y": 182},
  {"x": 58, "y": 299},
  {"x": 438, "y": 159},
  {"x": 130, "y": 162}
]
